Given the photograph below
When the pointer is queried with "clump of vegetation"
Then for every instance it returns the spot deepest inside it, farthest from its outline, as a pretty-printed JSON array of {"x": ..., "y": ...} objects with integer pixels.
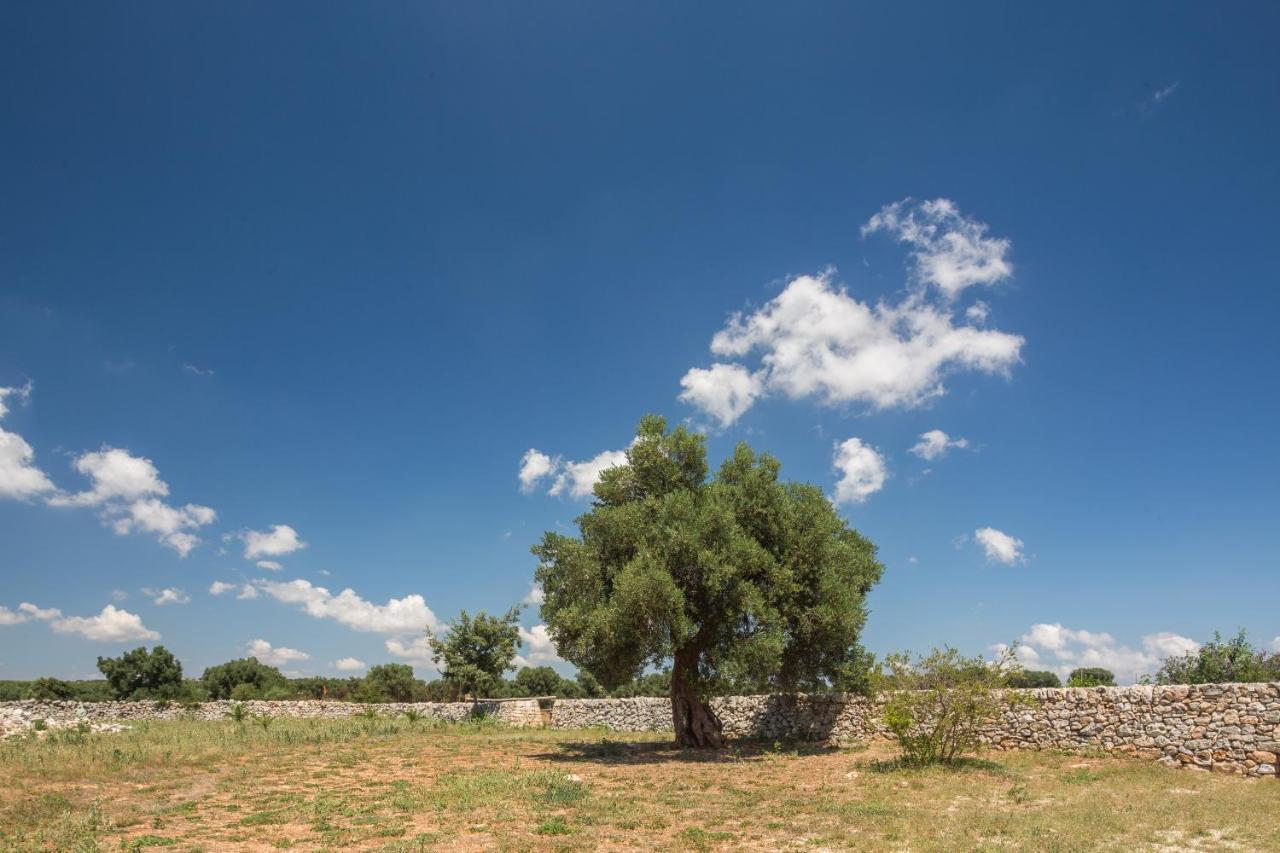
[
  {"x": 244, "y": 678},
  {"x": 1217, "y": 662},
  {"x": 142, "y": 674},
  {"x": 1033, "y": 678},
  {"x": 51, "y": 689},
  {"x": 1091, "y": 676},
  {"x": 738, "y": 580},
  {"x": 476, "y": 651},
  {"x": 388, "y": 682},
  {"x": 239, "y": 712},
  {"x": 937, "y": 704}
]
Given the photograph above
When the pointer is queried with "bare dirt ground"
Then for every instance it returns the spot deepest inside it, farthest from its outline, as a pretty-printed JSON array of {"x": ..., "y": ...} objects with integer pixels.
[{"x": 391, "y": 785}]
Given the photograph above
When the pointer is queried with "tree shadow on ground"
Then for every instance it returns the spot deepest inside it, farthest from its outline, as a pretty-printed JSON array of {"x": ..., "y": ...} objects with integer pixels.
[{"x": 617, "y": 752}]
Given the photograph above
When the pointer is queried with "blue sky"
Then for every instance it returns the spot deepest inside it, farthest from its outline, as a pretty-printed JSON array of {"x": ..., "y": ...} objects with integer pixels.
[{"x": 324, "y": 274}]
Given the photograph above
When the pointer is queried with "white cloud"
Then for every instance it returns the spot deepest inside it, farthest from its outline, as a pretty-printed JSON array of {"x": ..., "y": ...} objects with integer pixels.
[
  {"x": 19, "y": 477},
  {"x": 269, "y": 565},
  {"x": 273, "y": 655},
  {"x": 862, "y": 471},
  {"x": 349, "y": 665},
  {"x": 951, "y": 251},
  {"x": 279, "y": 541},
  {"x": 398, "y": 616},
  {"x": 818, "y": 341},
  {"x": 579, "y": 478},
  {"x": 536, "y": 596},
  {"x": 128, "y": 489},
  {"x": 112, "y": 625},
  {"x": 416, "y": 651},
  {"x": 723, "y": 391},
  {"x": 978, "y": 312},
  {"x": 935, "y": 443},
  {"x": 539, "y": 650},
  {"x": 1062, "y": 649},
  {"x": 26, "y": 612},
  {"x": 8, "y": 617},
  {"x": 1275, "y": 644},
  {"x": 535, "y": 466},
  {"x": 1000, "y": 547},
  {"x": 161, "y": 597},
  {"x": 221, "y": 587}
]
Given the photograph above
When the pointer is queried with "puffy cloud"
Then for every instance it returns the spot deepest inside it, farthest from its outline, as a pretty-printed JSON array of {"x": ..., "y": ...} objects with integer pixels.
[
  {"x": 269, "y": 565},
  {"x": 349, "y": 665},
  {"x": 818, "y": 341},
  {"x": 416, "y": 651},
  {"x": 999, "y": 546},
  {"x": 398, "y": 616},
  {"x": 935, "y": 443},
  {"x": 128, "y": 489},
  {"x": 26, "y": 612},
  {"x": 280, "y": 540},
  {"x": 20, "y": 479},
  {"x": 1062, "y": 649},
  {"x": 723, "y": 391},
  {"x": 950, "y": 250},
  {"x": 222, "y": 587},
  {"x": 273, "y": 655},
  {"x": 112, "y": 625},
  {"x": 538, "y": 647},
  {"x": 862, "y": 471},
  {"x": 536, "y": 596},
  {"x": 161, "y": 597},
  {"x": 535, "y": 466},
  {"x": 978, "y": 312},
  {"x": 579, "y": 478}
]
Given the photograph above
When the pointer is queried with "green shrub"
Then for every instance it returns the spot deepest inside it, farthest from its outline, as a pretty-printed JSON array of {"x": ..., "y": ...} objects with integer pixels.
[
  {"x": 48, "y": 689},
  {"x": 937, "y": 704},
  {"x": 238, "y": 712},
  {"x": 1033, "y": 678},
  {"x": 142, "y": 674},
  {"x": 245, "y": 692},
  {"x": 393, "y": 681},
  {"x": 222, "y": 680},
  {"x": 1091, "y": 676},
  {"x": 1218, "y": 662}
]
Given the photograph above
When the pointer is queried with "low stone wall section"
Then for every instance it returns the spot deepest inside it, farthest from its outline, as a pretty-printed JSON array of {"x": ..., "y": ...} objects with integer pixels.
[{"x": 1224, "y": 728}]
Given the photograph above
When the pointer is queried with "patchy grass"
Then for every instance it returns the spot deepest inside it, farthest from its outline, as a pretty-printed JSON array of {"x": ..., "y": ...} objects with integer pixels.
[{"x": 383, "y": 784}]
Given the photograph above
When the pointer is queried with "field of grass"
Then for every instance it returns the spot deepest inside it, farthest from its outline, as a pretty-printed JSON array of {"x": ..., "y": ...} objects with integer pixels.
[{"x": 381, "y": 784}]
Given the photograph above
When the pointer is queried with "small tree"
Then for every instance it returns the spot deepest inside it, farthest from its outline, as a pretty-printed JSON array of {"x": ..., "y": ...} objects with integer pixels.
[
  {"x": 539, "y": 681},
  {"x": 394, "y": 681},
  {"x": 736, "y": 579},
  {"x": 1091, "y": 676},
  {"x": 1219, "y": 662},
  {"x": 255, "y": 677},
  {"x": 142, "y": 674},
  {"x": 936, "y": 705},
  {"x": 476, "y": 651},
  {"x": 1033, "y": 678},
  {"x": 47, "y": 689}
]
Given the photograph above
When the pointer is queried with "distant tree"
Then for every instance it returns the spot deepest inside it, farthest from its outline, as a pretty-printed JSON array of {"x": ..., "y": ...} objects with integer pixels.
[
  {"x": 394, "y": 681},
  {"x": 589, "y": 687},
  {"x": 649, "y": 684},
  {"x": 539, "y": 681},
  {"x": 1091, "y": 676},
  {"x": 51, "y": 689},
  {"x": 476, "y": 651},
  {"x": 735, "y": 579},
  {"x": 142, "y": 674},
  {"x": 257, "y": 678},
  {"x": 1219, "y": 662},
  {"x": 1033, "y": 678}
]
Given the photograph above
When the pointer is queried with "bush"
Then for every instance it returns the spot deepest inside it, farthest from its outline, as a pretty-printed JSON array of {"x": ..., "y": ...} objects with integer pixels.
[
  {"x": 1091, "y": 676},
  {"x": 50, "y": 689},
  {"x": 1218, "y": 662},
  {"x": 142, "y": 674},
  {"x": 940, "y": 702},
  {"x": 394, "y": 682},
  {"x": 1033, "y": 678},
  {"x": 245, "y": 692},
  {"x": 222, "y": 680}
]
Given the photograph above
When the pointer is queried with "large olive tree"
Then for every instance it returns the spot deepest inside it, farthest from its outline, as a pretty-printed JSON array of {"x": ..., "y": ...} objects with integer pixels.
[{"x": 735, "y": 580}]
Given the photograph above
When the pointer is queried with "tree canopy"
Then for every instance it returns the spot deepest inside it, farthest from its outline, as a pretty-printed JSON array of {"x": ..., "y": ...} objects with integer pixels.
[
  {"x": 1220, "y": 662},
  {"x": 142, "y": 674},
  {"x": 739, "y": 580},
  {"x": 221, "y": 680},
  {"x": 476, "y": 651},
  {"x": 1091, "y": 676}
]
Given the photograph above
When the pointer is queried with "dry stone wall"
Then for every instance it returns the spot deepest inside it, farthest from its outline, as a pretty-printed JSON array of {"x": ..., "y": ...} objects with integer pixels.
[{"x": 1224, "y": 728}]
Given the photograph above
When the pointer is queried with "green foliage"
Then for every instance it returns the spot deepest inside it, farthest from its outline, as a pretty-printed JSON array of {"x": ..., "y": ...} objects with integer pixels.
[
  {"x": 477, "y": 650},
  {"x": 238, "y": 712},
  {"x": 394, "y": 682},
  {"x": 1033, "y": 678},
  {"x": 142, "y": 674},
  {"x": 50, "y": 689},
  {"x": 257, "y": 678},
  {"x": 937, "y": 704},
  {"x": 1219, "y": 662},
  {"x": 649, "y": 684},
  {"x": 1091, "y": 676},
  {"x": 737, "y": 580}
]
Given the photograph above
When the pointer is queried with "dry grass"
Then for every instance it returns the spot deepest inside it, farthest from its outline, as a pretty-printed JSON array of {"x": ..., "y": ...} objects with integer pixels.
[{"x": 389, "y": 785}]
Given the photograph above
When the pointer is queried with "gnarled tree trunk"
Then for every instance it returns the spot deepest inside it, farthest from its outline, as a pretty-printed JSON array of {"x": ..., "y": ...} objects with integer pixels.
[{"x": 694, "y": 721}]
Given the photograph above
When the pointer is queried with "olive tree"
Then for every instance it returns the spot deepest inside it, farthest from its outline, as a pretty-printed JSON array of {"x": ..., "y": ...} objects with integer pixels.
[
  {"x": 142, "y": 674},
  {"x": 733, "y": 579}
]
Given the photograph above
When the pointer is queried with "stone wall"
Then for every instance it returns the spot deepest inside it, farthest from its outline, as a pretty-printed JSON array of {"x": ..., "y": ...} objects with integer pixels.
[{"x": 1225, "y": 728}]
